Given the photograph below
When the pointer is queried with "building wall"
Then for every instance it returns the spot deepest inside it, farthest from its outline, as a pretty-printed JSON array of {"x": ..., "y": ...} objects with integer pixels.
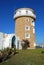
[
  {"x": 6, "y": 41},
  {"x": 1, "y": 40},
  {"x": 20, "y": 31}
]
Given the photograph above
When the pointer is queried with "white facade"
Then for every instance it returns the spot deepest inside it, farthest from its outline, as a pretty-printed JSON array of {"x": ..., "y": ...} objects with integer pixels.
[
  {"x": 7, "y": 41},
  {"x": 1, "y": 40}
]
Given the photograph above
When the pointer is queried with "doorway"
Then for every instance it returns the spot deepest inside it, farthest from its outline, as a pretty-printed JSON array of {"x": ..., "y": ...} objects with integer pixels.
[{"x": 13, "y": 41}]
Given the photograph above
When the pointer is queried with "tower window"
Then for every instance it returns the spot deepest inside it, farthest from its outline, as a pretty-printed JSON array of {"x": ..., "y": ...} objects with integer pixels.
[
  {"x": 19, "y": 11},
  {"x": 26, "y": 12},
  {"x": 27, "y": 27},
  {"x": 33, "y": 24},
  {"x": 27, "y": 35},
  {"x": 27, "y": 19},
  {"x": 33, "y": 30}
]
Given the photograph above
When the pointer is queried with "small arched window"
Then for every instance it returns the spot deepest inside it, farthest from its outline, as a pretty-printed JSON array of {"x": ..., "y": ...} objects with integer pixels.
[
  {"x": 26, "y": 12},
  {"x": 27, "y": 19}
]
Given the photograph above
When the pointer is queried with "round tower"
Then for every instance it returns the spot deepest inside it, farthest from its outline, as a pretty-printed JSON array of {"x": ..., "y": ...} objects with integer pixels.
[{"x": 25, "y": 25}]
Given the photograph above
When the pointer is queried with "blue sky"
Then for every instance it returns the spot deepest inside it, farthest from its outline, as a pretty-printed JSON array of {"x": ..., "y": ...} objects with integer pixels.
[{"x": 7, "y": 8}]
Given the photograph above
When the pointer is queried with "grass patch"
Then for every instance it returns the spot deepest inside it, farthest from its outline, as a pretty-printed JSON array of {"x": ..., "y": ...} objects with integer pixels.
[{"x": 26, "y": 57}]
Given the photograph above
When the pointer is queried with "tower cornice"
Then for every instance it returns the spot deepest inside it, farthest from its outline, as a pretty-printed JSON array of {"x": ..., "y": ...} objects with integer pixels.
[{"x": 24, "y": 12}]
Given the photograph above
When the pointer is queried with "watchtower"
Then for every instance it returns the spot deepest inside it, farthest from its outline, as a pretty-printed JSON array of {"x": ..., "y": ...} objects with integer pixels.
[{"x": 25, "y": 25}]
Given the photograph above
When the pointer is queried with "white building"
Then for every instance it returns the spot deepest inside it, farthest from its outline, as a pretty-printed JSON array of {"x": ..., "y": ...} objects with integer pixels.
[{"x": 9, "y": 40}]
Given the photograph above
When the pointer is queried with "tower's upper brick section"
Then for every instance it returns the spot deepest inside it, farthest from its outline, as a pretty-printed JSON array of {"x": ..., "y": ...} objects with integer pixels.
[{"x": 24, "y": 12}]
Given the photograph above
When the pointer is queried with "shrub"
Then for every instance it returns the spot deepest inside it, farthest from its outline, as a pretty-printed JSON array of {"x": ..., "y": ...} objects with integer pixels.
[
  {"x": 42, "y": 52},
  {"x": 14, "y": 50},
  {"x": 0, "y": 56},
  {"x": 25, "y": 44},
  {"x": 6, "y": 53}
]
